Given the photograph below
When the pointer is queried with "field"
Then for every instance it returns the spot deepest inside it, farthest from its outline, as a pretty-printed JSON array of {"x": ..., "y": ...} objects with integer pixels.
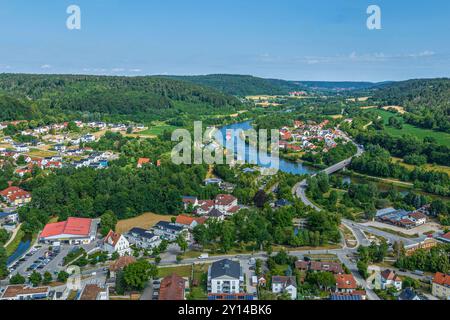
[
  {"x": 41, "y": 153},
  {"x": 144, "y": 221},
  {"x": 441, "y": 137},
  {"x": 156, "y": 130},
  {"x": 426, "y": 166}
]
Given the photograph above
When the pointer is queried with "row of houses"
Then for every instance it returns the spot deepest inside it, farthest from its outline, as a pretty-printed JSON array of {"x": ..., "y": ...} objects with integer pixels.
[{"x": 221, "y": 206}]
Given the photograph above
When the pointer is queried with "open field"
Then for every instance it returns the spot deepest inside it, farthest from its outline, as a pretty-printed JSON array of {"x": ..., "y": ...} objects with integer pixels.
[
  {"x": 41, "y": 153},
  {"x": 426, "y": 166},
  {"x": 399, "y": 109},
  {"x": 156, "y": 130},
  {"x": 441, "y": 137},
  {"x": 145, "y": 221}
]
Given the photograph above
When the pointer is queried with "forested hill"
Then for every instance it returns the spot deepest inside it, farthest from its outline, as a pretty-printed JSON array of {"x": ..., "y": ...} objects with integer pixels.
[
  {"x": 104, "y": 95},
  {"x": 243, "y": 85},
  {"x": 426, "y": 100}
]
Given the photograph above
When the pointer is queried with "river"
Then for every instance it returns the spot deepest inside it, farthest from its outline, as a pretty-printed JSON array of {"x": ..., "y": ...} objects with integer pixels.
[{"x": 284, "y": 165}]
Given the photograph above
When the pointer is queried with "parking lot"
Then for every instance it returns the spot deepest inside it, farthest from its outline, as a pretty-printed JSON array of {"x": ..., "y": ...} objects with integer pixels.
[{"x": 41, "y": 259}]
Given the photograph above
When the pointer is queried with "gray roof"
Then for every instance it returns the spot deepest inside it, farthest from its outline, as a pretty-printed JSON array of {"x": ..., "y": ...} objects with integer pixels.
[
  {"x": 141, "y": 233},
  {"x": 226, "y": 267},
  {"x": 215, "y": 213},
  {"x": 407, "y": 294}
]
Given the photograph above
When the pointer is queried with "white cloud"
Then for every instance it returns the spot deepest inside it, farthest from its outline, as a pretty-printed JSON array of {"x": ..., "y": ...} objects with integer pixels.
[{"x": 46, "y": 66}]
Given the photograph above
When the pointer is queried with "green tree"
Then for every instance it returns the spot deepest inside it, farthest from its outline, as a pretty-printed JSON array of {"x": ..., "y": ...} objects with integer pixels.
[
  {"x": 137, "y": 274},
  {"x": 182, "y": 242},
  {"x": 35, "y": 279},
  {"x": 62, "y": 276},
  {"x": 47, "y": 278},
  {"x": 108, "y": 222},
  {"x": 17, "y": 279}
]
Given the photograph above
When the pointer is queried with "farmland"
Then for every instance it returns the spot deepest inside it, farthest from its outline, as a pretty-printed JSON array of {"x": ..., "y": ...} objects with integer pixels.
[{"x": 144, "y": 221}]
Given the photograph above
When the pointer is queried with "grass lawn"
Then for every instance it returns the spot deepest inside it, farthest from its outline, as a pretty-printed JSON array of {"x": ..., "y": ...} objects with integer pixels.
[
  {"x": 156, "y": 130},
  {"x": 41, "y": 153},
  {"x": 400, "y": 234},
  {"x": 144, "y": 221},
  {"x": 427, "y": 166},
  {"x": 12, "y": 246},
  {"x": 441, "y": 137},
  {"x": 182, "y": 271}
]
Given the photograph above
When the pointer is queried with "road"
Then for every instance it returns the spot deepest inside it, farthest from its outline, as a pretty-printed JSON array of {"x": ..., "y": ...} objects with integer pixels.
[{"x": 299, "y": 189}]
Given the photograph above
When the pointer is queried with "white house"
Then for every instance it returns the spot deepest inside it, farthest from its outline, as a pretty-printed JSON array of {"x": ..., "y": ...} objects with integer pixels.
[
  {"x": 285, "y": 284},
  {"x": 115, "y": 242},
  {"x": 143, "y": 238},
  {"x": 225, "y": 276},
  {"x": 390, "y": 279}
]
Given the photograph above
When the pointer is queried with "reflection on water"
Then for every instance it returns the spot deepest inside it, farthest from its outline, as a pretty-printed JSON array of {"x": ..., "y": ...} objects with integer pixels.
[{"x": 284, "y": 165}]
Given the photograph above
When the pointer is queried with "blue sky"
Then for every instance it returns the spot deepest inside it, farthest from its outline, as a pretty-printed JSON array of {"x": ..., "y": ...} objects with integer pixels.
[{"x": 287, "y": 39}]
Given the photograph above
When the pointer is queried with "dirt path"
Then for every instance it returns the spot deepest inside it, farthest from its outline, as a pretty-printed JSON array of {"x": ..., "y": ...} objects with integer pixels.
[{"x": 13, "y": 236}]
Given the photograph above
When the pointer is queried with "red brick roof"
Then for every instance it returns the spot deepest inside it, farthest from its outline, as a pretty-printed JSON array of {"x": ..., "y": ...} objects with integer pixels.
[
  {"x": 390, "y": 275},
  {"x": 142, "y": 161},
  {"x": 345, "y": 281},
  {"x": 186, "y": 220},
  {"x": 172, "y": 288},
  {"x": 446, "y": 236},
  {"x": 442, "y": 279},
  {"x": 121, "y": 263},
  {"x": 13, "y": 193}
]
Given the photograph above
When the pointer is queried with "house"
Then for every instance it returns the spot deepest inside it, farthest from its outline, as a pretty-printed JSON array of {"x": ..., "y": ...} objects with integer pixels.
[
  {"x": 226, "y": 203},
  {"x": 143, "y": 238},
  {"x": 22, "y": 292},
  {"x": 418, "y": 218},
  {"x": 408, "y": 294},
  {"x": 204, "y": 207},
  {"x": 115, "y": 242},
  {"x": 119, "y": 264},
  {"x": 441, "y": 286},
  {"x": 94, "y": 292},
  {"x": 225, "y": 276},
  {"x": 172, "y": 288},
  {"x": 15, "y": 196},
  {"x": 390, "y": 279},
  {"x": 9, "y": 217},
  {"x": 189, "y": 222},
  {"x": 87, "y": 138},
  {"x": 213, "y": 181},
  {"x": 189, "y": 202},
  {"x": 142, "y": 161},
  {"x": 445, "y": 237},
  {"x": 216, "y": 214},
  {"x": 169, "y": 231},
  {"x": 285, "y": 284},
  {"x": 345, "y": 283},
  {"x": 319, "y": 266},
  {"x": 72, "y": 231}
]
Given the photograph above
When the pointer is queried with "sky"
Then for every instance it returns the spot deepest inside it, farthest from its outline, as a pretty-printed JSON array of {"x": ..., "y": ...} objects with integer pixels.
[{"x": 284, "y": 39}]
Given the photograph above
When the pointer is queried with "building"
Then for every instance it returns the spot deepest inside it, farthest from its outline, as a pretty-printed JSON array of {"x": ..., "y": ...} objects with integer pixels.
[
  {"x": 445, "y": 237},
  {"x": 22, "y": 292},
  {"x": 225, "y": 203},
  {"x": 189, "y": 202},
  {"x": 15, "y": 196},
  {"x": 225, "y": 276},
  {"x": 169, "y": 231},
  {"x": 172, "y": 288},
  {"x": 441, "y": 286},
  {"x": 11, "y": 217},
  {"x": 345, "y": 283},
  {"x": 316, "y": 266},
  {"x": 119, "y": 264},
  {"x": 189, "y": 222},
  {"x": 143, "y": 238},
  {"x": 285, "y": 284},
  {"x": 230, "y": 296},
  {"x": 356, "y": 295},
  {"x": 72, "y": 231},
  {"x": 408, "y": 294},
  {"x": 142, "y": 161},
  {"x": 390, "y": 279},
  {"x": 115, "y": 242},
  {"x": 94, "y": 292},
  {"x": 426, "y": 244}
]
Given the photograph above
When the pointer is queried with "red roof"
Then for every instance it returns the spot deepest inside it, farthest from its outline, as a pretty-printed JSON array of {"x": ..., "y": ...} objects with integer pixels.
[
  {"x": 73, "y": 226},
  {"x": 112, "y": 238},
  {"x": 225, "y": 199},
  {"x": 446, "y": 236},
  {"x": 13, "y": 193},
  {"x": 345, "y": 281},
  {"x": 442, "y": 279},
  {"x": 186, "y": 220},
  {"x": 142, "y": 161},
  {"x": 172, "y": 288}
]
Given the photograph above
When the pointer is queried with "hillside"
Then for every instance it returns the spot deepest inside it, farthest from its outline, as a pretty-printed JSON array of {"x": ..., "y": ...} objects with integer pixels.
[
  {"x": 144, "y": 96},
  {"x": 243, "y": 85},
  {"x": 427, "y": 101}
]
